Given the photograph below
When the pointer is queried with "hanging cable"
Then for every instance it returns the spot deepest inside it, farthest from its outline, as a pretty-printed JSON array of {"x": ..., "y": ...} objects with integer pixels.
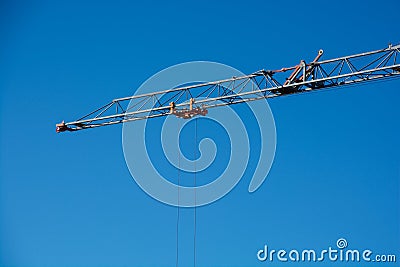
[
  {"x": 178, "y": 208},
  {"x": 194, "y": 225}
]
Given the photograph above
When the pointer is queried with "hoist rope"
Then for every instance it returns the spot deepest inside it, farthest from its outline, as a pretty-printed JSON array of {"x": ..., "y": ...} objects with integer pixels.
[
  {"x": 194, "y": 225},
  {"x": 178, "y": 208},
  {"x": 195, "y": 198}
]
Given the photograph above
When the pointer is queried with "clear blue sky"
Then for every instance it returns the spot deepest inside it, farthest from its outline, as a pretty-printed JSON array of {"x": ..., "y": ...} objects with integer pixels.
[{"x": 69, "y": 200}]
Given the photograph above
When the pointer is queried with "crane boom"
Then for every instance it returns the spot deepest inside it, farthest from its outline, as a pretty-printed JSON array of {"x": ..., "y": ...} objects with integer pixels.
[{"x": 189, "y": 101}]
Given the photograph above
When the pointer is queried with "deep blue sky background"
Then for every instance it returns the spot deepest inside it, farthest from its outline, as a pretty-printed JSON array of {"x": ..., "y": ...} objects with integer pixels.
[{"x": 69, "y": 200}]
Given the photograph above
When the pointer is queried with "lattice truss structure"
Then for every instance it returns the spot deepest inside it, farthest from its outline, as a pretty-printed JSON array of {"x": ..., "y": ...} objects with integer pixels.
[{"x": 192, "y": 100}]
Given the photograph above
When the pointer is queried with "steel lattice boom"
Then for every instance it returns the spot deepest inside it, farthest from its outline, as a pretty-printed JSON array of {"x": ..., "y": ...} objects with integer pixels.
[{"x": 193, "y": 100}]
